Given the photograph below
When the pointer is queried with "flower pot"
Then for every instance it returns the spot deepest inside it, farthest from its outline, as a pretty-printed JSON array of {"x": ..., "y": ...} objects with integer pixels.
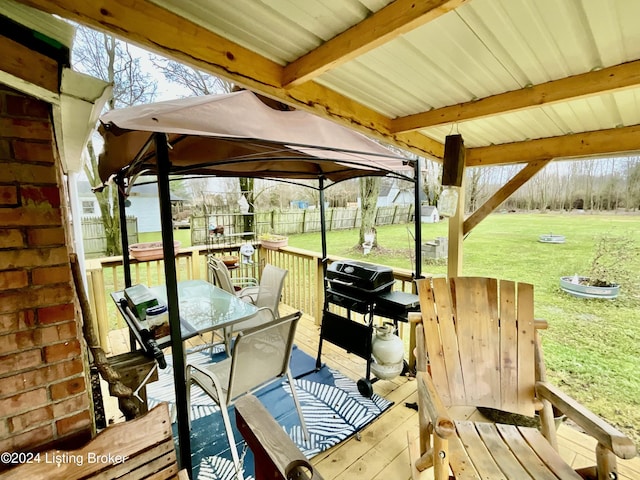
[
  {"x": 150, "y": 250},
  {"x": 274, "y": 242},
  {"x": 230, "y": 260},
  {"x": 578, "y": 287}
]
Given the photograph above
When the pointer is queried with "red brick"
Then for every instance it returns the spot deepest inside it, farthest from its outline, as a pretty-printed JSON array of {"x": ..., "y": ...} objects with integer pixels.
[
  {"x": 48, "y": 295},
  {"x": 9, "y": 322},
  {"x": 40, "y": 237},
  {"x": 40, "y": 197},
  {"x": 5, "y": 151},
  {"x": 70, "y": 405},
  {"x": 28, "y": 440},
  {"x": 13, "y": 342},
  {"x": 12, "y": 322},
  {"x": 76, "y": 422},
  {"x": 28, "y": 217},
  {"x": 39, "y": 377},
  {"x": 19, "y": 106},
  {"x": 57, "y": 333},
  {"x": 11, "y": 237},
  {"x": 56, "y": 313},
  {"x": 32, "y": 418},
  {"x": 25, "y": 173},
  {"x": 62, "y": 351},
  {"x": 23, "y": 402},
  {"x": 24, "y": 128},
  {"x": 67, "y": 388},
  {"x": 10, "y": 279},
  {"x": 20, "y": 361},
  {"x": 8, "y": 195},
  {"x": 43, "y": 276},
  {"x": 40, "y": 152},
  {"x": 34, "y": 257}
]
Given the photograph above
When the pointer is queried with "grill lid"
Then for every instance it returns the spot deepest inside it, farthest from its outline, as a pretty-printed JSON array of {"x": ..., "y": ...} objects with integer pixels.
[{"x": 359, "y": 278}]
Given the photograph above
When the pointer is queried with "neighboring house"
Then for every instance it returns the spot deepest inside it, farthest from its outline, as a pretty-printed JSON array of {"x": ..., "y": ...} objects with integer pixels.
[
  {"x": 142, "y": 204},
  {"x": 429, "y": 214},
  {"x": 396, "y": 193}
]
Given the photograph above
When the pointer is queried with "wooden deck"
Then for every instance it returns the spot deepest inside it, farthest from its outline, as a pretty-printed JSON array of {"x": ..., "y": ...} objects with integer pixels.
[{"x": 381, "y": 451}]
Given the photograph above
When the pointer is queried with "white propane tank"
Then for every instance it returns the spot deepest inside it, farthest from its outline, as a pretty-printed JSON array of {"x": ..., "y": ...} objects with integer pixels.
[{"x": 387, "y": 350}]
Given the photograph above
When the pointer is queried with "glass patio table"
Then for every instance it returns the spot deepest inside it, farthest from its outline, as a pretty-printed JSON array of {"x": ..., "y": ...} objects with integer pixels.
[{"x": 203, "y": 308}]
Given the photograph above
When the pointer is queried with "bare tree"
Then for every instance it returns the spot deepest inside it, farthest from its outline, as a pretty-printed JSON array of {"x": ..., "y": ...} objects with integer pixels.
[
  {"x": 197, "y": 82},
  {"x": 113, "y": 61},
  {"x": 369, "y": 192}
]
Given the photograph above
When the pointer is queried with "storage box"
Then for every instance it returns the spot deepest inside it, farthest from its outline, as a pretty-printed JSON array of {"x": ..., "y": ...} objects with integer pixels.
[{"x": 139, "y": 298}]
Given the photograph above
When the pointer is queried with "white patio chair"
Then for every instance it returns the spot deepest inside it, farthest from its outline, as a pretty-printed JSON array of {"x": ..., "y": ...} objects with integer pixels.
[
  {"x": 219, "y": 275},
  {"x": 260, "y": 356},
  {"x": 267, "y": 299}
]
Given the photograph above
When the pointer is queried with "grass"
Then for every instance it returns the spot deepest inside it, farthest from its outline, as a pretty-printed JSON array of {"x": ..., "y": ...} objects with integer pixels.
[{"x": 591, "y": 348}]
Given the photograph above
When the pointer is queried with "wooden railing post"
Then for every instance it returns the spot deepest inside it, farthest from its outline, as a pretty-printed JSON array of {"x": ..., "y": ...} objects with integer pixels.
[{"x": 98, "y": 301}]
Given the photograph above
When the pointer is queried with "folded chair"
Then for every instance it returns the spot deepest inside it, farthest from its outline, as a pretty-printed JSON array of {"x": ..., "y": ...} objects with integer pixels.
[
  {"x": 260, "y": 356},
  {"x": 481, "y": 378}
]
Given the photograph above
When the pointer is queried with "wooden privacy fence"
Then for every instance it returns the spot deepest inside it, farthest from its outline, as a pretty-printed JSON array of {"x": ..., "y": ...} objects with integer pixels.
[
  {"x": 294, "y": 221},
  {"x": 94, "y": 238}
]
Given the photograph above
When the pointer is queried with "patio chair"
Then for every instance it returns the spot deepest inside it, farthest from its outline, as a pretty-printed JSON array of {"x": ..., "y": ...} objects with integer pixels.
[
  {"x": 260, "y": 356},
  {"x": 266, "y": 298},
  {"x": 478, "y": 339},
  {"x": 219, "y": 275}
]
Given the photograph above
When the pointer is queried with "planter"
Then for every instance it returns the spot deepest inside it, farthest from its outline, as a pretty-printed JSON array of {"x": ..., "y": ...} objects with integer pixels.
[
  {"x": 274, "y": 242},
  {"x": 551, "y": 238},
  {"x": 230, "y": 260},
  {"x": 582, "y": 290},
  {"x": 150, "y": 250}
]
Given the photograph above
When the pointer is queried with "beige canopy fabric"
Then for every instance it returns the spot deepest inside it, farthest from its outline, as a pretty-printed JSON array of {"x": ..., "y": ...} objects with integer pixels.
[{"x": 236, "y": 134}]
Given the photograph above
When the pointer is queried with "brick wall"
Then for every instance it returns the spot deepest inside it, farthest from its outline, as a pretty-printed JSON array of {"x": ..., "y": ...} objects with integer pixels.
[{"x": 43, "y": 380}]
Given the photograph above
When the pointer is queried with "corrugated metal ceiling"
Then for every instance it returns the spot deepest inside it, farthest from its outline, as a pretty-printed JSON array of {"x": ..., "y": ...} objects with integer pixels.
[{"x": 482, "y": 48}]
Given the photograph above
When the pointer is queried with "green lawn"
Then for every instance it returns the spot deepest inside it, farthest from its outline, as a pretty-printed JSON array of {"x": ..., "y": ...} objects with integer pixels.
[{"x": 592, "y": 347}]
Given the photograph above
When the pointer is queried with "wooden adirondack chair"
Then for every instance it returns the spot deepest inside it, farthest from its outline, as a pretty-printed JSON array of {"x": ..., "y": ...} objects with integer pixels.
[{"x": 478, "y": 339}]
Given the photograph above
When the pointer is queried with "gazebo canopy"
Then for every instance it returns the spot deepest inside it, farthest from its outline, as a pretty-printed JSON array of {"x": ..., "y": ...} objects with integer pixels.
[{"x": 238, "y": 135}]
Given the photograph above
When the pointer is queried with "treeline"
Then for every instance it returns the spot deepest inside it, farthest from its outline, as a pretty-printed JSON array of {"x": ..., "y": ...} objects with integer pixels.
[{"x": 603, "y": 184}]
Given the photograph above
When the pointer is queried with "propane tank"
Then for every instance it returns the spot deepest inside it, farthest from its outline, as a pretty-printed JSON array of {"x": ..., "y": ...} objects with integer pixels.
[{"x": 387, "y": 350}]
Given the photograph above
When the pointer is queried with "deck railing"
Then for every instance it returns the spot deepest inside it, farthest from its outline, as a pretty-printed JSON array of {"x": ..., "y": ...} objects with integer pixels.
[{"x": 303, "y": 289}]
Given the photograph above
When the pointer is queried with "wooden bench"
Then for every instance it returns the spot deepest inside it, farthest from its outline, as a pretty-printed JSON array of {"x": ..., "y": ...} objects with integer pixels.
[{"x": 135, "y": 450}]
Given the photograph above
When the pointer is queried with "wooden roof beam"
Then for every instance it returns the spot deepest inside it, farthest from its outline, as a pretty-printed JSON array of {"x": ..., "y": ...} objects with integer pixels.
[
  {"x": 618, "y": 77},
  {"x": 157, "y": 29},
  {"x": 400, "y": 16},
  {"x": 601, "y": 142}
]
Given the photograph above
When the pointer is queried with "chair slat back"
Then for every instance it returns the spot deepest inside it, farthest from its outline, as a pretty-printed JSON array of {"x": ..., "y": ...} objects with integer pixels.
[
  {"x": 261, "y": 354},
  {"x": 479, "y": 337},
  {"x": 270, "y": 291},
  {"x": 221, "y": 275}
]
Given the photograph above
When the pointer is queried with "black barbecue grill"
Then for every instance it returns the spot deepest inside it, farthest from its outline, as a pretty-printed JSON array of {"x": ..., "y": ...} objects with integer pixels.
[{"x": 366, "y": 289}]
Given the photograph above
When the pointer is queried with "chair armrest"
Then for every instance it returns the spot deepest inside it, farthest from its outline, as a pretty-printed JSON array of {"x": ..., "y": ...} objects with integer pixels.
[
  {"x": 430, "y": 403},
  {"x": 606, "y": 434}
]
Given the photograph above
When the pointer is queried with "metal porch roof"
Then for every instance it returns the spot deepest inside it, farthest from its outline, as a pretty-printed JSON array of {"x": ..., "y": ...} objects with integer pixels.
[{"x": 496, "y": 71}]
